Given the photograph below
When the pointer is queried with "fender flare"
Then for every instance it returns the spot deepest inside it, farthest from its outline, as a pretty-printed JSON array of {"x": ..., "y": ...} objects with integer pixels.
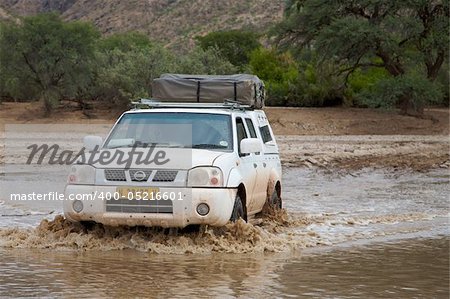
[{"x": 234, "y": 178}]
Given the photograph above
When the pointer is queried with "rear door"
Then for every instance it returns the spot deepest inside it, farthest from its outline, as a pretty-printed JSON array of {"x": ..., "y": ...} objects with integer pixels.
[{"x": 271, "y": 159}]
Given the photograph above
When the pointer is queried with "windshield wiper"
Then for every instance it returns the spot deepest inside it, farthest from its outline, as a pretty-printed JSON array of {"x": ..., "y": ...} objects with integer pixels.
[
  {"x": 157, "y": 144},
  {"x": 117, "y": 146},
  {"x": 135, "y": 144},
  {"x": 207, "y": 145}
]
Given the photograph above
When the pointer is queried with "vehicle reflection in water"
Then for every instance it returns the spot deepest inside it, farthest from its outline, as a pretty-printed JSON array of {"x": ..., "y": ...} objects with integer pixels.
[{"x": 415, "y": 267}]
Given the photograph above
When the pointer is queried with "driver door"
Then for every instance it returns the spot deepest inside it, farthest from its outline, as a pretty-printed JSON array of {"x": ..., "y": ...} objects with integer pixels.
[{"x": 247, "y": 165}]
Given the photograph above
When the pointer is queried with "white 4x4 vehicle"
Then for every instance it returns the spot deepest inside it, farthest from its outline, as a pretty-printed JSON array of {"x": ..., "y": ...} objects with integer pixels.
[{"x": 233, "y": 169}]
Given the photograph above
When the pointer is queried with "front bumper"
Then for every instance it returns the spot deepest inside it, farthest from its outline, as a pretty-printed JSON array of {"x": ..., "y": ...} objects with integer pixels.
[{"x": 219, "y": 200}]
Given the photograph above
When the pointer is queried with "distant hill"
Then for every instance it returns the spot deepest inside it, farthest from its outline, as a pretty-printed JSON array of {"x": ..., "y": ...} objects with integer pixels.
[{"x": 172, "y": 22}]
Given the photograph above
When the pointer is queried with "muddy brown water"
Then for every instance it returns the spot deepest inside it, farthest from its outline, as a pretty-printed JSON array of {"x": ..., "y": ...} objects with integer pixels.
[
  {"x": 364, "y": 234},
  {"x": 412, "y": 268}
]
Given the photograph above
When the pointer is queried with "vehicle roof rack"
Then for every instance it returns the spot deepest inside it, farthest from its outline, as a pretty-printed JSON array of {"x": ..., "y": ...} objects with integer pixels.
[{"x": 152, "y": 103}]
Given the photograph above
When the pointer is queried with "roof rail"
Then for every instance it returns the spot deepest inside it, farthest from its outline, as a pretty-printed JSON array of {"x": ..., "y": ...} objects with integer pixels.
[{"x": 151, "y": 103}]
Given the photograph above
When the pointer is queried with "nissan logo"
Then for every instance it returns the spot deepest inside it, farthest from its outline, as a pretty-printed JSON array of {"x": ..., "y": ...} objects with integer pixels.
[{"x": 139, "y": 175}]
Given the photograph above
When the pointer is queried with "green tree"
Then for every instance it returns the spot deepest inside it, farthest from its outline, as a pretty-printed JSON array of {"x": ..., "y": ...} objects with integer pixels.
[
  {"x": 317, "y": 85},
  {"x": 362, "y": 84},
  {"x": 234, "y": 45},
  {"x": 125, "y": 41},
  {"x": 43, "y": 57},
  {"x": 208, "y": 62},
  {"x": 385, "y": 93},
  {"x": 404, "y": 37},
  {"x": 126, "y": 75},
  {"x": 278, "y": 71}
]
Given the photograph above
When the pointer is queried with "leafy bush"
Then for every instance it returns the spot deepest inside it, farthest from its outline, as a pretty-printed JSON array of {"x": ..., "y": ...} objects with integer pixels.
[
  {"x": 443, "y": 81},
  {"x": 235, "y": 45},
  {"x": 363, "y": 81},
  {"x": 124, "y": 41},
  {"x": 208, "y": 62},
  {"x": 278, "y": 71},
  {"x": 296, "y": 83},
  {"x": 317, "y": 85},
  {"x": 409, "y": 92},
  {"x": 125, "y": 75}
]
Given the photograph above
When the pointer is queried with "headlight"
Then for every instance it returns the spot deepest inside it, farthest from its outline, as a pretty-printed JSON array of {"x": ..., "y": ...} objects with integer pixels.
[
  {"x": 81, "y": 174},
  {"x": 205, "y": 177}
]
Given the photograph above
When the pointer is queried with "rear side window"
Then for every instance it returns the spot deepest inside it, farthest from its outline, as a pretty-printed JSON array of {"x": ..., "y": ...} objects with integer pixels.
[
  {"x": 251, "y": 128},
  {"x": 265, "y": 134}
]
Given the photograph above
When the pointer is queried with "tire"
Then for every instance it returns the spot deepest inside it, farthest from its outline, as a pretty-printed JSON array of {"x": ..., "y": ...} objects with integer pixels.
[
  {"x": 275, "y": 201},
  {"x": 87, "y": 225},
  {"x": 238, "y": 210}
]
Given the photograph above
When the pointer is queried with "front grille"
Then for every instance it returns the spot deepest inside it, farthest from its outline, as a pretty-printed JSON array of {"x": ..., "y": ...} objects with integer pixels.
[
  {"x": 138, "y": 175},
  {"x": 165, "y": 176},
  {"x": 125, "y": 205},
  {"x": 117, "y": 175}
]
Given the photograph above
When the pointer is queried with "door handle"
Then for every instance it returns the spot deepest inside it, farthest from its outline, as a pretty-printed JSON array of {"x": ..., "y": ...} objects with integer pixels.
[
  {"x": 264, "y": 165},
  {"x": 255, "y": 165}
]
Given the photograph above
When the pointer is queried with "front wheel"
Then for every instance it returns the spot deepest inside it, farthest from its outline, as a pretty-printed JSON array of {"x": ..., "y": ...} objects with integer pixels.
[
  {"x": 88, "y": 225},
  {"x": 238, "y": 210}
]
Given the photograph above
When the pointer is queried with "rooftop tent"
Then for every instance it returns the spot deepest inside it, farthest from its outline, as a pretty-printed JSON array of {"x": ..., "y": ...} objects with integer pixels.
[{"x": 243, "y": 88}]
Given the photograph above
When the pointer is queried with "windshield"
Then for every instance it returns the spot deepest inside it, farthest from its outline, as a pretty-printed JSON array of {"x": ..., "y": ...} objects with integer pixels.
[{"x": 172, "y": 129}]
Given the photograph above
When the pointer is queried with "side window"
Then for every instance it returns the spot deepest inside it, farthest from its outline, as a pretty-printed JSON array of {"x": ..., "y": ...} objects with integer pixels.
[
  {"x": 240, "y": 131},
  {"x": 251, "y": 128},
  {"x": 265, "y": 134}
]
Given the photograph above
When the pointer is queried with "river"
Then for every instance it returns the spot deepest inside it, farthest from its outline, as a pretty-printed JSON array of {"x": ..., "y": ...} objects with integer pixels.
[{"x": 362, "y": 234}]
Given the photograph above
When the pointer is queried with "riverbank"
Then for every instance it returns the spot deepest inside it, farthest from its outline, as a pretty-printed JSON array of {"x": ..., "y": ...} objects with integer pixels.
[
  {"x": 284, "y": 121},
  {"x": 328, "y": 138}
]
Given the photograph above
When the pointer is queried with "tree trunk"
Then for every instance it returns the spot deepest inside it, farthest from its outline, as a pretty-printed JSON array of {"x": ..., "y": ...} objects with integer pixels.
[
  {"x": 51, "y": 98},
  {"x": 434, "y": 67},
  {"x": 407, "y": 107},
  {"x": 48, "y": 107}
]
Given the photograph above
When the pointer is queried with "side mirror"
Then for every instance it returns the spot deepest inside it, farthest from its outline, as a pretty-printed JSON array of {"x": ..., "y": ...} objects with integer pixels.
[
  {"x": 90, "y": 142},
  {"x": 251, "y": 146}
]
